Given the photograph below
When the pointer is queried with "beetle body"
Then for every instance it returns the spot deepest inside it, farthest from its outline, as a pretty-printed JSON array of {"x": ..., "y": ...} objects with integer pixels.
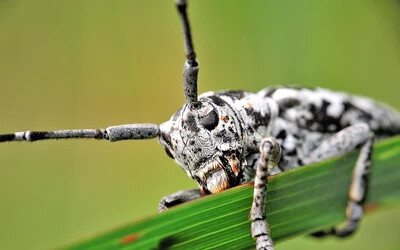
[{"x": 217, "y": 142}]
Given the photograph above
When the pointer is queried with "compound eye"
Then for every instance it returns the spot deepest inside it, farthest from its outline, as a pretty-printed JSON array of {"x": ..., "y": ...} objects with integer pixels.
[
  {"x": 169, "y": 153},
  {"x": 210, "y": 121}
]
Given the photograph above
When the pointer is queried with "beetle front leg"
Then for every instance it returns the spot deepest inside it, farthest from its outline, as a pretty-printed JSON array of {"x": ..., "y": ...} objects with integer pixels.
[
  {"x": 178, "y": 198},
  {"x": 270, "y": 153}
]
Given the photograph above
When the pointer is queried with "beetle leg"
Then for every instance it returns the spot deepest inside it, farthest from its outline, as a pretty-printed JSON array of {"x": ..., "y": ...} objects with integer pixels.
[
  {"x": 270, "y": 153},
  {"x": 341, "y": 143},
  {"x": 179, "y": 198}
]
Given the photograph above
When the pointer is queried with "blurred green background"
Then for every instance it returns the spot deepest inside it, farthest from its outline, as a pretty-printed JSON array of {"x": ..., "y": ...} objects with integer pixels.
[{"x": 90, "y": 64}]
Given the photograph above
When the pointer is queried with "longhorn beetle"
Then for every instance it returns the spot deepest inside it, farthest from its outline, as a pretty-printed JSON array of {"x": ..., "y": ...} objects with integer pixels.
[{"x": 223, "y": 139}]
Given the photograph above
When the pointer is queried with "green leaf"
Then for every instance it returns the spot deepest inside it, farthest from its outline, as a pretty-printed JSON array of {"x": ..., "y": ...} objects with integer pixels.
[{"x": 299, "y": 201}]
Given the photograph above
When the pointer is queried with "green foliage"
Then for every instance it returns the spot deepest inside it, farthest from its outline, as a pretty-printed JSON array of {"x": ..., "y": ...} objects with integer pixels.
[{"x": 299, "y": 202}]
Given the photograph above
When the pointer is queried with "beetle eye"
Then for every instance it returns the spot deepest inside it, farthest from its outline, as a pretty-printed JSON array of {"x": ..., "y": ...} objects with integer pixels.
[
  {"x": 169, "y": 153},
  {"x": 210, "y": 121}
]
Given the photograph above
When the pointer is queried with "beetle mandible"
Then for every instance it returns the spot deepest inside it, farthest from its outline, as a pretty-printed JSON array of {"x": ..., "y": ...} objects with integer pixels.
[{"x": 224, "y": 139}]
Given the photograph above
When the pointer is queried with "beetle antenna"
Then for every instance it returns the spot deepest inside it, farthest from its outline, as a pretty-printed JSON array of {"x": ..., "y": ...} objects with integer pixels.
[
  {"x": 191, "y": 66},
  {"x": 113, "y": 133}
]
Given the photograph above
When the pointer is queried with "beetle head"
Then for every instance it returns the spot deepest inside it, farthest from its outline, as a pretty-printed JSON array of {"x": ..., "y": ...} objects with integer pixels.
[{"x": 206, "y": 140}]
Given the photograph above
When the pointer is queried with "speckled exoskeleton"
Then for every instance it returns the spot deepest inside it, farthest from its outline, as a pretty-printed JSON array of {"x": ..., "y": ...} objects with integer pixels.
[{"x": 223, "y": 139}]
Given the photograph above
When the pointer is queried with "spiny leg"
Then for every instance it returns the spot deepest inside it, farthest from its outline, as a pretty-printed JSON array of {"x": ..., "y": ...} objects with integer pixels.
[
  {"x": 269, "y": 158},
  {"x": 179, "y": 198},
  {"x": 113, "y": 133},
  {"x": 341, "y": 143}
]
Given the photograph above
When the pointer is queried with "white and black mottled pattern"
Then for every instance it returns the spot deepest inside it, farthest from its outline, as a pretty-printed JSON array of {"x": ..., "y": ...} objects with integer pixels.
[{"x": 217, "y": 142}]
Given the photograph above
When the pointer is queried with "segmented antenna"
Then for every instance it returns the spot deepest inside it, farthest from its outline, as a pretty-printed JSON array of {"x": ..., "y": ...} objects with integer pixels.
[
  {"x": 191, "y": 66},
  {"x": 114, "y": 133}
]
